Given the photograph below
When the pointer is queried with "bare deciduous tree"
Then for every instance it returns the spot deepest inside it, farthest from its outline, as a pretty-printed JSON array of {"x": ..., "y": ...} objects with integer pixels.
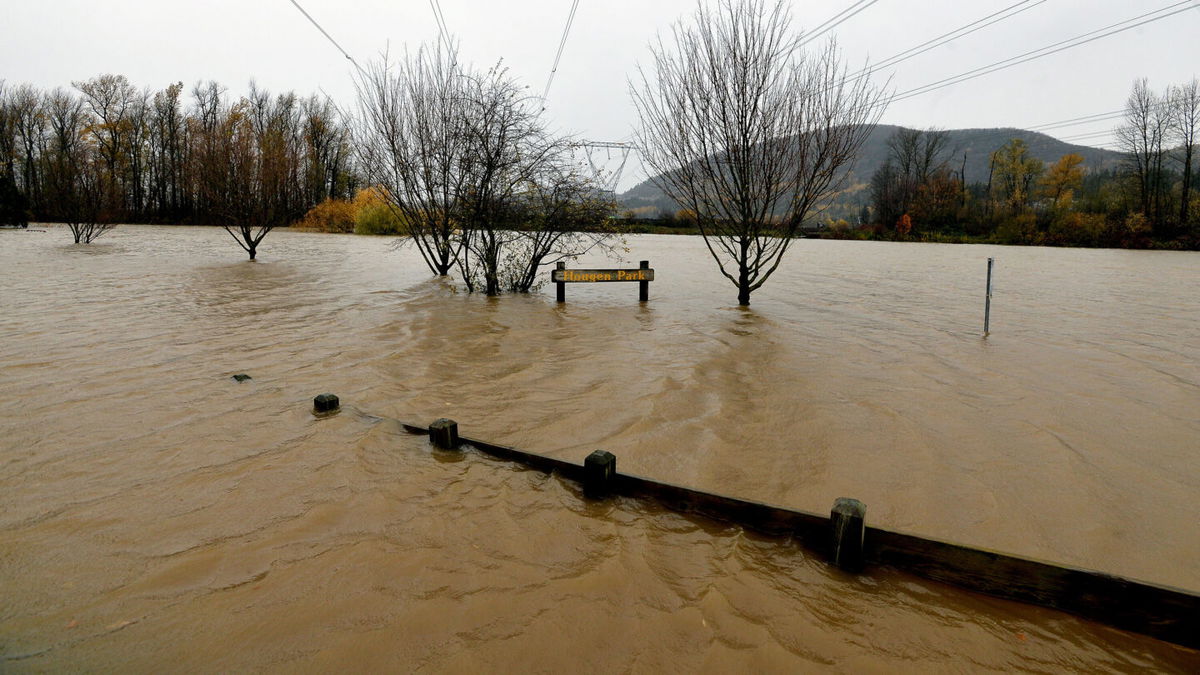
[
  {"x": 75, "y": 178},
  {"x": 251, "y": 175},
  {"x": 509, "y": 150},
  {"x": 31, "y": 129},
  {"x": 465, "y": 159},
  {"x": 1142, "y": 137},
  {"x": 563, "y": 215},
  {"x": 1185, "y": 123},
  {"x": 411, "y": 142},
  {"x": 749, "y": 131}
]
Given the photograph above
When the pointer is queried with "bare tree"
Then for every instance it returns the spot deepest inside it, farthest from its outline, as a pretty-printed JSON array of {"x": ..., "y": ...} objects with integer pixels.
[
  {"x": 327, "y": 147},
  {"x": 411, "y": 142},
  {"x": 75, "y": 179},
  {"x": 465, "y": 160},
  {"x": 250, "y": 166},
  {"x": 167, "y": 153},
  {"x": 30, "y": 118},
  {"x": 508, "y": 150},
  {"x": 1185, "y": 123},
  {"x": 110, "y": 98},
  {"x": 749, "y": 131},
  {"x": 13, "y": 204},
  {"x": 562, "y": 215},
  {"x": 1142, "y": 137}
]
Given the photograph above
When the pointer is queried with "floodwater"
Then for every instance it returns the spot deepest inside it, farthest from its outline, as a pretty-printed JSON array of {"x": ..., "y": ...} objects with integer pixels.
[{"x": 156, "y": 515}]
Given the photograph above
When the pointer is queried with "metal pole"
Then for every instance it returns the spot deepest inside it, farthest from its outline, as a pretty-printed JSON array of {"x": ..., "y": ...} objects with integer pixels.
[
  {"x": 644, "y": 286},
  {"x": 561, "y": 291},
  {"x": 987, "y": 303}
]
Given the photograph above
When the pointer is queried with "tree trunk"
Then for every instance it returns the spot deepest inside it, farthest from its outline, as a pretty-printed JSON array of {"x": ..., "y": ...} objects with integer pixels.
[
  {"x": 743, "y": 292},
  {"x": 744, "y": 275},
  {"x": 1187, "y": 184}
]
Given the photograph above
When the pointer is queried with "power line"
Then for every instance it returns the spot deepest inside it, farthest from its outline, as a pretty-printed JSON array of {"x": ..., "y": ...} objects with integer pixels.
[
  {"x": 1046, "y": 51},
  {"x": 328, "y": 37},
  {"x": 1074, "y": 121},
  {"x": 562, "y": 42},
  {"x": 1094, "y": 134},
  {"x": 944, "y": 38},
  {"x": 443, "y": 31},
  {"x": 834, "y": 21}
]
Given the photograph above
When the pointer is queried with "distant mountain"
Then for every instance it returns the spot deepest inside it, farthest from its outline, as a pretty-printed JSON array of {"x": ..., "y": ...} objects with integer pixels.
[{"x": 976, "y": 144}]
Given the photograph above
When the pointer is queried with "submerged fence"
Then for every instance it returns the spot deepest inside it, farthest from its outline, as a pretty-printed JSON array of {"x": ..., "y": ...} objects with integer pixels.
[{"x": 1161, "y": 612}]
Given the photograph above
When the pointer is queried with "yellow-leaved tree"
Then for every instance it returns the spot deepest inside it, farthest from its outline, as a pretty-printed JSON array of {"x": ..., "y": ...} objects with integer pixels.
[{"x": 1062, "y": 180}]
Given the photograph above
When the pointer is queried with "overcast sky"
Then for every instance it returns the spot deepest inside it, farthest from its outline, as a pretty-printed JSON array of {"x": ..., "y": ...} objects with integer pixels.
[{"x": 155, "y": 42}]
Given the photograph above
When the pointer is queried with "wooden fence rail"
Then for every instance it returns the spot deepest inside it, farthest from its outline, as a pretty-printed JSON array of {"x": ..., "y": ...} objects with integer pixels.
[{"x": 1161, "y": 612}]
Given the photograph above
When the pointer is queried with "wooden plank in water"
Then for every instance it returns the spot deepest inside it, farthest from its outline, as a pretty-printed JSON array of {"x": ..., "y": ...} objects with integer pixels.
[{"x": 1162, "y": 612}]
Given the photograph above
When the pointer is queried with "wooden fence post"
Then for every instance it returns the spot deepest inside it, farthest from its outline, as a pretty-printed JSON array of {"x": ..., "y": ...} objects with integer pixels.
[
  {"x": 324, "y": 403},
  {"x": 444, "y": 434},
  {"x": 847, "y": 527},
  {"x": 598, "y": 471}
]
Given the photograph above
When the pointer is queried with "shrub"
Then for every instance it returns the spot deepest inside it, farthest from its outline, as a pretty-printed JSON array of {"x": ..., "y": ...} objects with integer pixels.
[
  {"x": 331, "y": 215},
  {"x": 374, "y": 216},
  {"x": 1019, "y": 229},
  {"x": 1078, "y": 229}
]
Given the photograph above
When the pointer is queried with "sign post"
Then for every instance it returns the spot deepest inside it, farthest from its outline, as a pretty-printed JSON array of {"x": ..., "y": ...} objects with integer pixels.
[
  {"x": 642, "y": 274},
  {"x": 987, "y": 302}
]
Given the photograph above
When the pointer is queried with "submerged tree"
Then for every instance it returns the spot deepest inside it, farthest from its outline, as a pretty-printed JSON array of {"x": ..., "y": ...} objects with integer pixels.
[
  {"x": 74, "y": 174},
  {"x": 250, "y": 164},
  {"x": 563, "y": 215},
  {"x": 466, "y": 161},
  {"x": 749, "y": 131},
  {"x": 511, "y": 157},
  {"x": 411, "y": 143}
]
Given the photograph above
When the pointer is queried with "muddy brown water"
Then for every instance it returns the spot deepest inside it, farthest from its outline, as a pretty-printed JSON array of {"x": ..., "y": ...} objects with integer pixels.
[{"x": 156, "y": 515}]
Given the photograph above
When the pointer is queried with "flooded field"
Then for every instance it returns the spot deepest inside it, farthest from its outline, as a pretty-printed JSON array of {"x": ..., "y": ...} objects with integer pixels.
[{"x": 156, "y": 515}]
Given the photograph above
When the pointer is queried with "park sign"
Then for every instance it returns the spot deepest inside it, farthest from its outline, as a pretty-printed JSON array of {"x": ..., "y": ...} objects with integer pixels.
[
  {"x": 642, "y": 274},
  {"x": 570, "y": 276}
]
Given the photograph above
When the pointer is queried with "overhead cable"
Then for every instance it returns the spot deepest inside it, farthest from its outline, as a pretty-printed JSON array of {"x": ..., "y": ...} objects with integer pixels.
[
  {"x": 944, "y": 38},
  {"x": 1077, "y": 41},
  {"x": 835, "y": 21},
  {"x": 328, "y": 37},
  {"x": 562, "y": 42},
  {"x": 1085, "y": 119},
  {"x": 443, "y": 31}
]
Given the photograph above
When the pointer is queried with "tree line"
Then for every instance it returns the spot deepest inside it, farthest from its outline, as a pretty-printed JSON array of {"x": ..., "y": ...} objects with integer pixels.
[
  {"x": 1150, "y": 200},
  {"x": 104, "y": 152}
]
